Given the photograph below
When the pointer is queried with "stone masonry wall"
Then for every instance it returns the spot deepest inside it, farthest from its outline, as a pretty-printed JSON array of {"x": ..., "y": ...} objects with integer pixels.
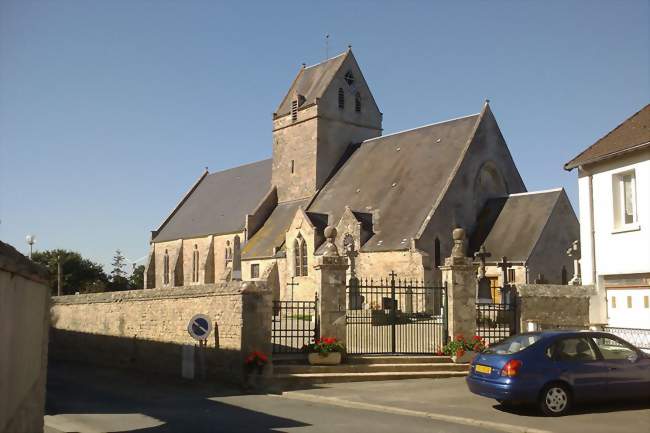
[
  {"x": 147, "y": 329},
  {"x": 553, "y": 306}
]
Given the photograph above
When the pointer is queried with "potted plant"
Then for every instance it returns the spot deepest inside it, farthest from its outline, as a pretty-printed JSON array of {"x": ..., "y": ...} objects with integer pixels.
[
  {"x": 463, "y": 350},
  {"x": 324, "y": 351},
  {"x": 254, "y": 364}
]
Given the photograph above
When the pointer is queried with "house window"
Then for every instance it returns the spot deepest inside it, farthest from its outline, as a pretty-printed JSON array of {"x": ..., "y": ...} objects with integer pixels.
[
  {"x": 195, "y": 264},
  {"x": 613, "y": 301},
  {"x": 357, "y": 102},
  {"x": 300, "y": 256},
  {"x": 294, "y": 110},
  {"x": 511, "y": 275},
  {"x": 166, "y": 268},
  {"x": 495, "y": 289},
  {"x": 624, "y": 195},
  {"x": 341, "y": 98},
  {"x": 255, "y": 270},
  {"x": 629, "y": 302}
]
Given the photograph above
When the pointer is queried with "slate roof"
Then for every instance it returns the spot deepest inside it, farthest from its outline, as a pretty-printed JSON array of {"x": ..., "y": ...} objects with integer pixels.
[
  {"x": 272, "y": 233},
  {"x": 218, "y": 203},
  {"x": 631, "y": 134},
  {"x": 311, "y": 82},
  {"x": 511, "y": 226},
  {"x": 397, "y": 178}
]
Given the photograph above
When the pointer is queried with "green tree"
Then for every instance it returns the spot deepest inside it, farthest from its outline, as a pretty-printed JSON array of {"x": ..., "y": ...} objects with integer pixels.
[
  {"x": 136, "y": 280},
  {"x": 79, "y": 274},
  {"x": 119, "y": 281}
]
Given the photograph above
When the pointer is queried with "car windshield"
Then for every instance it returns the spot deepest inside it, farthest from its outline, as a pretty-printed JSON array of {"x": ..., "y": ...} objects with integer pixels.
[{"x": 514, "y": 344}]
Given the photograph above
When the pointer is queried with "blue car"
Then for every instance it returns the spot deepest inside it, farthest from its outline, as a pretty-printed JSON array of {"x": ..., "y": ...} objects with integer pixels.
[{"x": 555, "y": 369}]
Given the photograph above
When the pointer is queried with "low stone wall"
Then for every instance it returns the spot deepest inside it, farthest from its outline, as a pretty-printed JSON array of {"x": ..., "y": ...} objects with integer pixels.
[
  {"x": 147, "y": 329},
  {"x": 552, "y": 306},
  {"x": 24, "y": 324}
]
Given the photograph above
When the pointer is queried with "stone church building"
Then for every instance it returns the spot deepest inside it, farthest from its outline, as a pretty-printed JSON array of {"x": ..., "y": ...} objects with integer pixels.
[{"x": 394, "y": 199}]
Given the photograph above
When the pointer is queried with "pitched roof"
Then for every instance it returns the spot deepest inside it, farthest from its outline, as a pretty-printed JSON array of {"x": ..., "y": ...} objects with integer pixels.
[
  {"x": 511, "y": 226},
  {"x": 272, "y": 234},
  {"x": 631, "y": 134},
  {"x": 384, "y": 176},
  {"x": 311, "y": 82},
  {"x": 218, "y": 203}
]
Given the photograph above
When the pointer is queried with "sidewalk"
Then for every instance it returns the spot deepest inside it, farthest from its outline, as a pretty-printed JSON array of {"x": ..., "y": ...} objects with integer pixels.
[{"x": 449, "y": 399}]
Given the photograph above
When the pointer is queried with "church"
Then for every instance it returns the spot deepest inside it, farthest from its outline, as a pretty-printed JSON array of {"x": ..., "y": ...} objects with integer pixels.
[{"x": 394, "y": 199}]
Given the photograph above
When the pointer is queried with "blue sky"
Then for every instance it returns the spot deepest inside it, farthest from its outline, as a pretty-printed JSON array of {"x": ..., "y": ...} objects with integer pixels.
[{"x": 110, "y": 110}]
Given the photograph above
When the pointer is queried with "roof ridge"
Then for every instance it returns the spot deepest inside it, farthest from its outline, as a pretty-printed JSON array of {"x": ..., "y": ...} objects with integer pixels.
[
  {"x": 240, "y": 166},
  {"x": 542, "y": 191},
  {"x": 327, "y": 60},
  {"x": 421, "y": 127}
]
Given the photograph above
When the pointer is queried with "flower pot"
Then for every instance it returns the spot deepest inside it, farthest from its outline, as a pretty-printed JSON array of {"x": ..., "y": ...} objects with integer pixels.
[
  {"x": 465, "y": 358},
  {"x": 333, "y": 358}
]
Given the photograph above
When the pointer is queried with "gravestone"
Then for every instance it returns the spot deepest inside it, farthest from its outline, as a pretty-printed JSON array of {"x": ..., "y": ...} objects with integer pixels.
[{"x": 484, "y": 289}]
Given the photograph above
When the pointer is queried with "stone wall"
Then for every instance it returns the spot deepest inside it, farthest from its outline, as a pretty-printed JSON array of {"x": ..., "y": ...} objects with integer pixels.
[
  {"x": 147, "y": 329},
  {"x": 24, "y": 324},
  {"x": 552, "y": 306}
]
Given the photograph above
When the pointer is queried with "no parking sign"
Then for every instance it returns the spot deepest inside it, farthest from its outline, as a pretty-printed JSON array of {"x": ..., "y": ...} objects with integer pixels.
[{"x": 200, "y": 327}]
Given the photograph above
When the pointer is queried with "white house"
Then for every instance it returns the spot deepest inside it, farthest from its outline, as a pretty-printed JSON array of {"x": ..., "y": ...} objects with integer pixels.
[{"x": 614, "y": 189}]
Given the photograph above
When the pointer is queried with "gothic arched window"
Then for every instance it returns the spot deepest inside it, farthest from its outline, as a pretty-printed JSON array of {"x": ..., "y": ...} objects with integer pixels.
[
  {"x": 227, "y": 254},
  {"x": 195, "y": 264},
  {"x": 436, "y": 253},
  {"x": 300, "y": 256},
  {"x": 341, "y": 98},
  {"x": 357, "y": 102},
  {"x": 166, "y": 268}
]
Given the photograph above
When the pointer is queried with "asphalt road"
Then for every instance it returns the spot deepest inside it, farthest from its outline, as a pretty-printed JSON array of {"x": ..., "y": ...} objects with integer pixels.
[{"x": 89, "y": 399}]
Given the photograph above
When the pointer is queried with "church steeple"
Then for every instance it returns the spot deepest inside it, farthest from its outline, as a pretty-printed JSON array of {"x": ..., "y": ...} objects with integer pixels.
[{"x": 328, "y": 107}]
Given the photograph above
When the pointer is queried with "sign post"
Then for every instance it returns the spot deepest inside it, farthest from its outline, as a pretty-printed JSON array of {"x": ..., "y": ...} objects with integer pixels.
[{"x": 199, "y": 328}]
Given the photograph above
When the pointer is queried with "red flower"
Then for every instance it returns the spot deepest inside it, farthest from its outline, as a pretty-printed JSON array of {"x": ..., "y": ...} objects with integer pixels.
[
  {"x": 476, "y": 338},
  {"x": 459, "y": 337},
  {"x": 329, "y": 340},
  {"x": 317, "y": 341},
  {"x": 459, "y": 353}
]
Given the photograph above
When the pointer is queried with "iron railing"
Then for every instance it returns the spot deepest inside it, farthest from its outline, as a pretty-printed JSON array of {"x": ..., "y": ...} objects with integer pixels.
[
  {"x": 294, "y": 324},
  {"x": 496, "y": 322},
  {"x": 395, "y": 316},
  {"x": 637, "y": 336}
]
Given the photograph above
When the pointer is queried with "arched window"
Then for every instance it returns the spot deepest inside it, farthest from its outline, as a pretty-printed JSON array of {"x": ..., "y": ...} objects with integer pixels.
[
  {"x": 300, "y": 256},
  {"x": 436, "y": 253},
  {"x": 341, "y": 98},
  {"x": 357, "y": 102},
  {"x": 227, "y": 254},
  {"x": 166, "y": 268},
  {"x": 195, "y": 264}
]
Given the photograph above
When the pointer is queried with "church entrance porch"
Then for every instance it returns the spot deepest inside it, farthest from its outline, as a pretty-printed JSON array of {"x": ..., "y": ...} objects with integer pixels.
[{"x": 395, "y": 316}]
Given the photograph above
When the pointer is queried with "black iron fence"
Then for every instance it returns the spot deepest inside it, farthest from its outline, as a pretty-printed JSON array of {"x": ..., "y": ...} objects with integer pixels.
[
  {"x": 496, "y": 322},
  {"x": 294, "y": 324},
  {"x": 636, "y": 336},
  {"x": 395, "y": 316}
]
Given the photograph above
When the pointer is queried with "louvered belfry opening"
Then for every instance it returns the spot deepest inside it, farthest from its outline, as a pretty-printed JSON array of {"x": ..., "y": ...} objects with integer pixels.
[{"x": 341, "y": 98}]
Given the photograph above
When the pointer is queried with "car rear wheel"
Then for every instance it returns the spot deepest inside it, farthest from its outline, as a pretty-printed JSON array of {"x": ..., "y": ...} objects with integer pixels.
[{"x": 555, "y": 400}]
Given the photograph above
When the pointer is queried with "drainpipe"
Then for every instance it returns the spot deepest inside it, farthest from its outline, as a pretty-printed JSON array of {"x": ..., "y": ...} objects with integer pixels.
[{"x": 592, "y": 229}]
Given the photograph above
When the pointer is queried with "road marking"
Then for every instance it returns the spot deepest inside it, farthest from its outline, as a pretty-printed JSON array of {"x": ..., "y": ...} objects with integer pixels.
[{"x": 509, "y": 428}]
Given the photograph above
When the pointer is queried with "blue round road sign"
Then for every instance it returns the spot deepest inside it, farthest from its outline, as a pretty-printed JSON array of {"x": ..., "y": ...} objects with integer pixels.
[{"x": 200, "y": 327}]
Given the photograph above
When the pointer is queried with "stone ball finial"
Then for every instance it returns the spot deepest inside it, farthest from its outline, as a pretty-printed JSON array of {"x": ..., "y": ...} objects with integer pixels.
[
  {"x": 330, "y": 232},
  {"x": 458, "y": 234},
  {"x": 248, "y": 286}
]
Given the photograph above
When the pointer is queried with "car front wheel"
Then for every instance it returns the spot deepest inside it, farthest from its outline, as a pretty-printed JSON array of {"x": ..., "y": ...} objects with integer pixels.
[{"x": 555, "y": 400}]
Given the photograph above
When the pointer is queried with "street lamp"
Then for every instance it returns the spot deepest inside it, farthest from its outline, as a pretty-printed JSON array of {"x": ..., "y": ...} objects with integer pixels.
[{"x": 31, "y": 239}]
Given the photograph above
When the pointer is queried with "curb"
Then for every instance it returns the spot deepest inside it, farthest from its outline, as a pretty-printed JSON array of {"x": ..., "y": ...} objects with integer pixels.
[{"x": 508, "y": 428}]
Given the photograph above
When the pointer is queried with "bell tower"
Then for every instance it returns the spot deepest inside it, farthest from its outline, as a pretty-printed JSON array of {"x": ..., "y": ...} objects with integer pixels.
[{"x": 328, "y": 108}]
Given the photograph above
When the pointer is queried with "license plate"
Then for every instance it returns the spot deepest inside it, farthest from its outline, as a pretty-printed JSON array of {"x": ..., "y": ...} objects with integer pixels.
[{"x": 483, "y": 369}]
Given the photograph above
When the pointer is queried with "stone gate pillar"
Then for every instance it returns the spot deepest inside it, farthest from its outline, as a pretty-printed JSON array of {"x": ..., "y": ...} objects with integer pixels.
[
  {"x": 330, "y": 282},
  {"x": 459, "y": 273}
]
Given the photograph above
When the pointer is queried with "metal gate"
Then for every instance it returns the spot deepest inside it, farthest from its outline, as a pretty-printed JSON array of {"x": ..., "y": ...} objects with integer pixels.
[
  {"x": 294, "y": 324},
  {"x": 395, "y": 316},
  {"x": 496, "y": 322}
]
